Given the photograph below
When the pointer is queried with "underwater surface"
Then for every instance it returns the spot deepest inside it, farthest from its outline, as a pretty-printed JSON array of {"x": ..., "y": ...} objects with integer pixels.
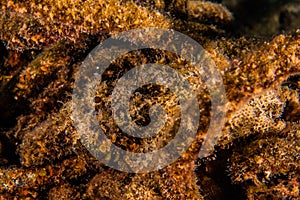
[{"x": 239, "y": 127}]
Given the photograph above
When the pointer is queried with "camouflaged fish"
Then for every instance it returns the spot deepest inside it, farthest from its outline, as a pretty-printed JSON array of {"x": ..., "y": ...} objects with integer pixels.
[
  {"x": 45, "y": 41},
  {"x": 34, "y": 24}
]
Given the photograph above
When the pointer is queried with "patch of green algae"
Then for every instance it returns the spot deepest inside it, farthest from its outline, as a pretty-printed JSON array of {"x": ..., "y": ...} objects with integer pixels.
[{"x": 45, "y": 43}]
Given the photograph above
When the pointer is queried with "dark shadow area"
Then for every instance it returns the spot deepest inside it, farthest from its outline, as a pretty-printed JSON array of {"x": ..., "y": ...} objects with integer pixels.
[{"x": 264, "y": 17}]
